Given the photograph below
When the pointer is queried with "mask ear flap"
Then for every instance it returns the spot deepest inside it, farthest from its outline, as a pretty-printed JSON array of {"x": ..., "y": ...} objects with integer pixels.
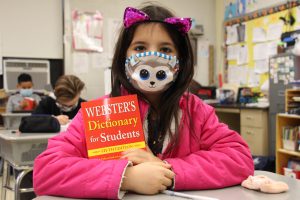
[
  {"x": 173, "y": 62},
  {"x": 129, "y": 65},
  {"x": 134, "y": 60}
]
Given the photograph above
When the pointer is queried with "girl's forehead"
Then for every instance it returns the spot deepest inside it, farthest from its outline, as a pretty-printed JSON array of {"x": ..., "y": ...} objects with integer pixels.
[{"x": 151, "y": 31}]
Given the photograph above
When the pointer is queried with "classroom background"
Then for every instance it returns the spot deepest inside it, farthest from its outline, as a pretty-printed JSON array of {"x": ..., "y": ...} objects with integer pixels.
[{"x": 247, "y": 61}]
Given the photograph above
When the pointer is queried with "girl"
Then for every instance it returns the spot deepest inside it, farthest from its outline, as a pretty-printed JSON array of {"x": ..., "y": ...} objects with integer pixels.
[{"x": 188, "y": 149}]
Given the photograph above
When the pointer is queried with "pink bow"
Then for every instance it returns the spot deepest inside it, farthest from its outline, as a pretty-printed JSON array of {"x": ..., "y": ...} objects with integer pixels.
[{"x": 133, "y": 15}]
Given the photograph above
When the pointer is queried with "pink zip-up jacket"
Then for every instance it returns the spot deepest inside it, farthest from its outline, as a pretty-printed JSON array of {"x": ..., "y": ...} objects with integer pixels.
[{"x": 214, "y": 157}]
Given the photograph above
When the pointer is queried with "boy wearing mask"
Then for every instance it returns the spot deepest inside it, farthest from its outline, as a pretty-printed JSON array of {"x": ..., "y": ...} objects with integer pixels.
[{"x": 24, "y": 99}]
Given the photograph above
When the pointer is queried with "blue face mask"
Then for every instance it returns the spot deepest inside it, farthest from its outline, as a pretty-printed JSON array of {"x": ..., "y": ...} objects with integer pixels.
[{"x": 26, "y": 92}]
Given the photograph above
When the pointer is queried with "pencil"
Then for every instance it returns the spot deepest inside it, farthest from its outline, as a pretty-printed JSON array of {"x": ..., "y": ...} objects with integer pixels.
[{"x": 187, "y": 196}]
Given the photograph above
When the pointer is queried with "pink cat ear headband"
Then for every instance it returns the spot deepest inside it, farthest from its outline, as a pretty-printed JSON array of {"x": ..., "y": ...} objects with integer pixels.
[{"x": 133, "y": 15}]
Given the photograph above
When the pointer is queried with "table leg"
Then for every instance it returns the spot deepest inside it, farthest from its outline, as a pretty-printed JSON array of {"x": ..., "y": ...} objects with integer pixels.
[
  {"x": 18, "y": 183},
  {"x": 5, "y": 179}
]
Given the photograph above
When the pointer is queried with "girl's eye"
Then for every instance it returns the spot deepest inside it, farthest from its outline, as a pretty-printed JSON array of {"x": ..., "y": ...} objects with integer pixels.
[
  {"x": 139, "y": 48},
  {"x": 166, "y": 50}
]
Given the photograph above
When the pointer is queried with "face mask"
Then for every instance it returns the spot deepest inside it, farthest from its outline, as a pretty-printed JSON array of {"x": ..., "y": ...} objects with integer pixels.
[
  {"x": 26, "y": 92},
  {"x": 66, "y": 108},
  {"x": 151, "y": 71}
]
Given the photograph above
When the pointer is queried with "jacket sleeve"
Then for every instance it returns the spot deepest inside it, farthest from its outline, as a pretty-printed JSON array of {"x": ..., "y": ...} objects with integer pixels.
[
  {"x": 37, "y": 98},
  {"x": 9, "y": 105},
  {"x": 41, "y": 107},
  {"x": 63, "y": 169},
  {"x": 221, "y": 159}
]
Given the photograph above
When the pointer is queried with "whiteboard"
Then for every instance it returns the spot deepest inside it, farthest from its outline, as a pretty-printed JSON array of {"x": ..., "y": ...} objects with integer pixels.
[{"x": 31, "y": 28}]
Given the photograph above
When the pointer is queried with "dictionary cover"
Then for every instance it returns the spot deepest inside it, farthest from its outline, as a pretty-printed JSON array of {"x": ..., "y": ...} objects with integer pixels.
[{"x": 112, "y": 125}]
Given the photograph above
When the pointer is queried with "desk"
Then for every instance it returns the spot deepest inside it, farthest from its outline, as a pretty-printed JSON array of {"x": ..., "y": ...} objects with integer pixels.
[
  {"x": 230, "y": 193},
  {"x": 19, "y": 151},
  {"x": 250, "y": 122}
]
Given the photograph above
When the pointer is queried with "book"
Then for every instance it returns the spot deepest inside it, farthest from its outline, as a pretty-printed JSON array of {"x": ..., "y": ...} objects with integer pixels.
[{"x": 112, "y": 125}]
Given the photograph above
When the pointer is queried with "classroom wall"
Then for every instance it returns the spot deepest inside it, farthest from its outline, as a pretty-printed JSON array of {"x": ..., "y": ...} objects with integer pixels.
[
  {"x": 220, "y": 9},
  {"x": 202, "y": 10},
  {"x": 31, "y": 29}
]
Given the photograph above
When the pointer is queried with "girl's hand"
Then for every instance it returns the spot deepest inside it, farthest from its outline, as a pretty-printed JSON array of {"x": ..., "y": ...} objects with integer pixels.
[
  {"x": 148, "y": 178},
  {"x": 138, "y": 156},
  {"x": 63, "y": 119}
]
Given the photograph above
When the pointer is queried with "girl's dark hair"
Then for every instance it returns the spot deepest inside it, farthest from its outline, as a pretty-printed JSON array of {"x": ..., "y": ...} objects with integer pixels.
[
  {"x": 169, "y": 104},
  {"x": 67, "y": 87}
]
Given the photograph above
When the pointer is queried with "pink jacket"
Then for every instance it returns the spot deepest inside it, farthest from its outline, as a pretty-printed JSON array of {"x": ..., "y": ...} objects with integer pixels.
[{"x": 215, "y": 157}]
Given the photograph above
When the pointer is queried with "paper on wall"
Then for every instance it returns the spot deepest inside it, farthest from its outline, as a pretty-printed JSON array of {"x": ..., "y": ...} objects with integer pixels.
[
  {"x": 231, "y": 77},
  {"x": 272, "y": 48},
  {"x": 203, "y": 49},
  {"x": 274, "y": 31},
  {"x": 242, "y": 73},
  {"x": 87, "y": 30},
  {"x": 233, "y": 52},
  {"x": 237, "y": 75},
  {"x": 243, "y": 55},
  {"x": 253, "y": 78},
  {"x": 260, "y": 51},
  {"x": 261, "y": 66},
  {"x": 202, "y": 71},
  {"x": 80, "y": 62},
  {"x": 232, "y": 34},
  {"x": 259, "y": 35},
  {"x": 95, "y": 26}
]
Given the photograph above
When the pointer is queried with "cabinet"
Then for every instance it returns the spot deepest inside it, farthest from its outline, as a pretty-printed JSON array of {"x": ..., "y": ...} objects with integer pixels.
[
  {"x": 292, "y": 100},
  {"x": 283, "y": 155},
  {"x": 254, "y": 130}
]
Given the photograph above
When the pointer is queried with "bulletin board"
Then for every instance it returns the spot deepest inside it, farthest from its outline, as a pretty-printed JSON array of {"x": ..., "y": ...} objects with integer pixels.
[{"x": 251, "y": 39}]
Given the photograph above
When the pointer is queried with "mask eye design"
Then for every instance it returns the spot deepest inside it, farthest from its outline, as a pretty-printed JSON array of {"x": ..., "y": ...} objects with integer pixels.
[
  {"x": 144, "y": 74},
  {"x": 161, "y": 75}
]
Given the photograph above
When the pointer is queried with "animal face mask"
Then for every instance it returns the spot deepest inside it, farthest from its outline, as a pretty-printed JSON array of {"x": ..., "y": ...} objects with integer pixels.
[{"x": 151, "y": 71}]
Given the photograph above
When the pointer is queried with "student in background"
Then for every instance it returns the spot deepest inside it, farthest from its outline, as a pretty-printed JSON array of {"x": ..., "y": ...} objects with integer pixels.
[
  {"x": 24, "y": 99},
  {"x": 188, "y": 148},
  {"x": 65, "y": 102}
]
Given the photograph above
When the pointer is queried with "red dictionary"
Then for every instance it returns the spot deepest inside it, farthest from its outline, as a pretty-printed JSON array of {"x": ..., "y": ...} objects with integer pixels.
[{"x": 112, "y": 125}]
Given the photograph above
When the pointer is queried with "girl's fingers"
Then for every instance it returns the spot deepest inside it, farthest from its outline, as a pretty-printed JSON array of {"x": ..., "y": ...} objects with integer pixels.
[
  {"x": 130, "y": 150},
  {"x": 162, "y": 164},
  {"x": 162, "y": 188},
  {"x": 134, "y": 159},
  {"x": 167, "y": 182},
  {"x": 170, "y": 174}
]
